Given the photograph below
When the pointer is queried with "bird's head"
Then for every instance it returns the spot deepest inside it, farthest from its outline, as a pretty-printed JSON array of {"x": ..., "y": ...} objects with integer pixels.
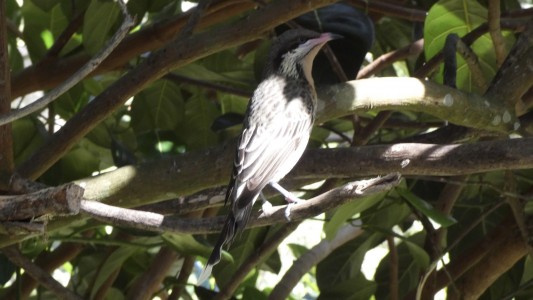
[{"x": 293, "y": 52}]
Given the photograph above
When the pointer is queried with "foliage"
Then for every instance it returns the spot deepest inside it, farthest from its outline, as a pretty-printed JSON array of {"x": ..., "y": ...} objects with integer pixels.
[{"x": 465, "y": 221}]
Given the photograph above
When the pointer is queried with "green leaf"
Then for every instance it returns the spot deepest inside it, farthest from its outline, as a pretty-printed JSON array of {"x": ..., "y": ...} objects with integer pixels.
[
  {"x": 419, "y": 255},
  {"x": 45, "y": 5},
  {"x": 344, "y": 264},
  {"x": 427, "y": 209},
  {"x": 186, "y": 244},
  {"x": 97, "y": 24},
  {"x": 348, "y": 211},
  {"x": 460, "y": 17},
  {"x": 26, "y": 138},
  {"x": 196, "y": 128},
  {"x": 160, "y": 106},
  {"x": 112, "y": 263}
]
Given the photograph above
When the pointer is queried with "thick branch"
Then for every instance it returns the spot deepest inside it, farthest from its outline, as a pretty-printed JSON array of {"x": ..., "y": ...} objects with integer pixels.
[
  {"x": 412, "y": 94},
  {"x": 515, "y": 76},
  {"x": 6, "y": 140},
  {"x": 192, "y": 172},
  {"x": 64, "y": 199},
  {"x": 312, "y": 207},
  {"x": 50, "y": 73}
]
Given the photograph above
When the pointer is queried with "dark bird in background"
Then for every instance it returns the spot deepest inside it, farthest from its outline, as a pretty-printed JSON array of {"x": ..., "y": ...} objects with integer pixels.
[
  {"x": 357, "y": 31},
  {"x": 276, "y": 129},
  {"x": 358, "y": 37}
]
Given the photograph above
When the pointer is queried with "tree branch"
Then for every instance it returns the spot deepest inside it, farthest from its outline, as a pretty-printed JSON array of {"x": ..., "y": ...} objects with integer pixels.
[
  {"x": 90, "y": 66},
  {"x": 45, "y": 279},
  {"x": 312, "y": 207},
  {"x": 495, "y": 32},
  {"x": 412, "y": 94},
  {"x": 7, "y": 163},
  {"x": 48, "y": 262},
  {"x": 51, "y": 73},
  {"x": 311, "y": 258},
  {"x": 171, "y": 177},
  {"x": 64, "y": 199}
]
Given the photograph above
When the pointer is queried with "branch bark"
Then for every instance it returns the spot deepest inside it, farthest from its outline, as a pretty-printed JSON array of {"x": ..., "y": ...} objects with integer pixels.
[
  {"x": 45, "y": 279},
  {"x": 64, "y": 199},
  {"x": 312, "y": 207},
  {"x": 7, "y": 163}
]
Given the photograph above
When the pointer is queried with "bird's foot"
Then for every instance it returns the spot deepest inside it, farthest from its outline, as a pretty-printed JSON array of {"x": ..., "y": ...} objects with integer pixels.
[
  {"x": 290, "y": 202},
  {"x": 289, "y": 197},
  {"x": 266, "y": 207}
]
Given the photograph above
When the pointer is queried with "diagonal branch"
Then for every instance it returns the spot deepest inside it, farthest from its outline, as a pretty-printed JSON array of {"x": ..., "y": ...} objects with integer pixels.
[
  {"x": 90, "y": 66},
  {"x": 45, "y": 279},
  {"x": 155, "y": 222}
]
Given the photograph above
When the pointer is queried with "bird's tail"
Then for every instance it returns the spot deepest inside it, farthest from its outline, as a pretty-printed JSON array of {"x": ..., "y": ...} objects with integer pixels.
[
  {"x": 235, "y": 223},
  {"x": 226, "y": 237}
]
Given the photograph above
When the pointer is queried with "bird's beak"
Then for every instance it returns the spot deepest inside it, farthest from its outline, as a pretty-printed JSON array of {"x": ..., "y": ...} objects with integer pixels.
[{"x": 324, "y": 38}]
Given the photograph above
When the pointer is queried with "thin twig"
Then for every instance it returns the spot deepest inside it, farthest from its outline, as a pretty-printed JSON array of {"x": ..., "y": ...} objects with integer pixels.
[
  {"x": 90, "y": 66},
  {"x": 311, "y": 258},
  {"x": 157, "y": 222},
  {"x": 45, "y": 279},
  {"x": 495, "y": 31}
]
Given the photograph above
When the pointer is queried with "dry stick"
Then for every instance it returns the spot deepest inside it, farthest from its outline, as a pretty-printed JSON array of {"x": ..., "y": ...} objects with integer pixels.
[
  {"x": 45, "y": 279},
  {"x": 311, "y": 258},
  {"x": 64, "y": 199},
  {"x": 148, "y": 283},
  {"x": 268, "y": 247},
  {"x": 185, "y": 271},
  {"x": 495, "y": 31},
  {"x": 387, "y": 59},
  {"x": 90, "y": 66},
  {"x": 312, "y": 207}
]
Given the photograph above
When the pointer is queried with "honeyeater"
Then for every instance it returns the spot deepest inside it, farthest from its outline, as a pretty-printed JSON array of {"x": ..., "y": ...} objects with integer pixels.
[{"x": 276, "y": 129}]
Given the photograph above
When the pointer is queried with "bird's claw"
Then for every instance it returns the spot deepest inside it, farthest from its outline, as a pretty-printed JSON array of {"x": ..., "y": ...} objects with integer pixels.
[{"x": 291, "y": 202}]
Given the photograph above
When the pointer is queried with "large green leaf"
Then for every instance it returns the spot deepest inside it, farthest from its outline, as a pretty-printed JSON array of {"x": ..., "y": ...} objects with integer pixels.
[
  {"x": 195, "y": 130},
  {"x": 460, "y": 17},
  {"x": 427, "y": 209},
  {"x": 160, "y": 106},
  {"x": 26, "y": 138},
  {"x": 186, "y": 244},
  {"x": 112, "y": 263},
  {"x": 338, "y": 273},
  {"x": 98, "y": 23},
  {"x": 348, "y": 211}
]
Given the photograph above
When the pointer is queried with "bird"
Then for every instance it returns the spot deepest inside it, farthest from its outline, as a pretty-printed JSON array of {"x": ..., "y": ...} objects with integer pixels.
[{"x": 275, "y": 132}]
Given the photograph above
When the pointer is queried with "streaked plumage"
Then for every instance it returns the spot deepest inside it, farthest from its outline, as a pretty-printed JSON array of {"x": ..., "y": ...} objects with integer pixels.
[{"x": 275, "y": 131}]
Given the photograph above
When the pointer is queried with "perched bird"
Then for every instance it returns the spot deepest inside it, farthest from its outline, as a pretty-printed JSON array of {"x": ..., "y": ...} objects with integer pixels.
[{"x": 276, "y": 129}]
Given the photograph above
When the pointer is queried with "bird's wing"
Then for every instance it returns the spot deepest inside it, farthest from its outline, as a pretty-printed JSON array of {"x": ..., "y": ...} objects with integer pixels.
[{"x": 269, "y": 149}]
